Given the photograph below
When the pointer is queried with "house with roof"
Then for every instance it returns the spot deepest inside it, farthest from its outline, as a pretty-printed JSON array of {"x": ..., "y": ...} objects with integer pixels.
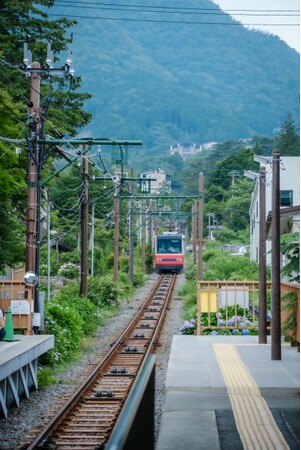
[
  {"x": 289, "y": 176},
  {"x": 185, "y": 149},
  {"x": 155, "y": 182}
]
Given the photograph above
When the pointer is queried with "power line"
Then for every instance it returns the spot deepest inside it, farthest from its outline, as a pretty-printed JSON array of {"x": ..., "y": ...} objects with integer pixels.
[
  {"x": 177, "y": 10},
  {"x": 163, "y": 8},
  {"x": 179, "y": 22},
  {"x": 267, "y": 13}
]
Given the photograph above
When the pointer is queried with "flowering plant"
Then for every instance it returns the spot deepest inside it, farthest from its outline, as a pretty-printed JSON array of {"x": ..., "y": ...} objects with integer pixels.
[
  {"x": 69, "y": 270},
  {"x": 188, "y": 327},
  {"x": 236, "y": 325}
]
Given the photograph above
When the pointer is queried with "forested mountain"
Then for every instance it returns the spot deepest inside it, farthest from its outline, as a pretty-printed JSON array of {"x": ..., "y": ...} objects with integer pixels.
[{"x": 166, "y": 74}]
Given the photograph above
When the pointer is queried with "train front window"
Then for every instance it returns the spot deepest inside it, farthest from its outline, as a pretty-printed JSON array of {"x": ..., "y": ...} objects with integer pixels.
[{"x": 169, "y": 245}]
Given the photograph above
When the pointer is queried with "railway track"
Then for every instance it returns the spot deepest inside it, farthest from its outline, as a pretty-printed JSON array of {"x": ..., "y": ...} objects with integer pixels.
[{"x": 86, "y": 421}]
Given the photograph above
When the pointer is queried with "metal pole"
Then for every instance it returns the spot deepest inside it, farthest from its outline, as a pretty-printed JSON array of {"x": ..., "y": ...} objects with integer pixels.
[
  {"x": 92, "y": 239},
  {"x": 143, "y": 236},
  {"x": 262, "y": 258},
  {"x": 150, "y": 228},
  {"x": 209, "y": 226},
  {"x": 194, "y": 220},
  {"x": 200, "y": 228},
  {"x": 48, "y": 249},
  {"x": 84, "y": 230},
  {"x": 116, "y": 236},
  {"x": 276, "y": 322},
  {"x": 140, "y": 225},
  {"x": 131, "y": 237}
]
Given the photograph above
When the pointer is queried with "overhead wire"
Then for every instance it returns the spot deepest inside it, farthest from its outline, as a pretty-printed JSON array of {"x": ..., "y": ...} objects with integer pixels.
[
  {"x": 191, "y": 9},
  {"x": 67, "y": 188},
  {"x": 180, "y": 22},
  {"x": 73, "y": 208},
  {"x": 172, "y": 10},
  {"x": 65, "y": 233}
]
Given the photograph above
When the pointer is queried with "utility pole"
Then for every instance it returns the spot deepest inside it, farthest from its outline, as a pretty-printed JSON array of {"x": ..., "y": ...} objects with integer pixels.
[
  {"x": 150, "y": 226},
  {"x": 32, "y": 174},
  {"x": 276, "y": 310},
  {"x": 84, "y": 230},
  {"x": 116, "y": 235},
  {"x": 37, "y": 158},
  {"x": 193, "y": 229},
  {"x": 48, "y": 248},
  {"x": 92, "y": 238},
  {"x": 200, "y": 228},
  {"x": 36, "y": 161},
  {"x": 262, "y": 257},
  {"x": 143, "y": 235},
  {"x": 131, "y": 231}
]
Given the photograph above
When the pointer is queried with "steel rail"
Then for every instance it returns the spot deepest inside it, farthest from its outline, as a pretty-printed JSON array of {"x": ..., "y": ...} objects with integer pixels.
[{"x": 131, "y": 347}]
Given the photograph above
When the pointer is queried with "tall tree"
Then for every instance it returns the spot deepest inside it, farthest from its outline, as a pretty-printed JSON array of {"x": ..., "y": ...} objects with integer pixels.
[
  {"x": 61, "y": 104},
  {"x": 288, "y": 140},
  {"x": 29, "y": 22}
]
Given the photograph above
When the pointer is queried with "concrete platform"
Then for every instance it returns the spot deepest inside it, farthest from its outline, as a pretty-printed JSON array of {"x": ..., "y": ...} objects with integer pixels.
[
  {"x": 225, "y": 392},
  {"x": 18, "y": 368}
]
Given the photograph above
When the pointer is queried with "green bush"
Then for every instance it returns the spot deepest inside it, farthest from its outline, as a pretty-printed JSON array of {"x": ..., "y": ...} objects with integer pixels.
[
  {"x": 99, "y": 262},
  {"x": 45, "y": 377},
  {"x": 102, "y": 292},
  {"x": 124, "y": 285},
  {"x": 69, "y": 296},
  {"x": 191, "y": 273},
  {"x": 138, "y": 278},
  {"x": 66, "y": 325},
  {"x": 70, "y": 257},
  {"x": 69, "y": 317},
  {"x": 123, "y": 263},
  {"x": 149, "y": 257},
  {"x": 54, "y": 262},
  {"x": 110, "y": 261},
  {"x": 226, "y": 267},
  {"x": 69, "y": 270},
  {"x": 210, "y": 253}
]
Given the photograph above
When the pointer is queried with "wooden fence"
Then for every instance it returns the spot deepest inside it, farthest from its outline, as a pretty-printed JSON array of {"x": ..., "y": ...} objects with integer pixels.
[
  {"x": 289, "y": 288},
  {"x": 18, "y": 296},
  {"x": 240, "y": 303}
]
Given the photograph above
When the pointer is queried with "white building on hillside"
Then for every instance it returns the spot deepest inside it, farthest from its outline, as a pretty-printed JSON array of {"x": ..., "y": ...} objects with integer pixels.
[
  {"x": 289, "y": 203},
  {"x": 185, "y": 149},
  {"x": 159, "y": 182}
]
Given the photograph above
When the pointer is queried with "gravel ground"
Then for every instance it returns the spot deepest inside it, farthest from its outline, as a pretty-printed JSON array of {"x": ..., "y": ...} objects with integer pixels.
[{"x": 33, "y": 414}]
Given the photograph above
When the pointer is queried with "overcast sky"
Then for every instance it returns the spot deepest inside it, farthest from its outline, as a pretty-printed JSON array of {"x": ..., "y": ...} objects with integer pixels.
[{"x": 290, "y": 34}]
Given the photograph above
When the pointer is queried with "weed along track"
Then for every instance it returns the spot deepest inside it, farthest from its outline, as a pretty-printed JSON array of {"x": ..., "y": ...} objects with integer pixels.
[{"x": 88, "y": 418}]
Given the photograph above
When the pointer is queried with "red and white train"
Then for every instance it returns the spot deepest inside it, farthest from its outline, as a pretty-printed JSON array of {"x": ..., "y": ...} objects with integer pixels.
[{"x": 169, "y": 252}]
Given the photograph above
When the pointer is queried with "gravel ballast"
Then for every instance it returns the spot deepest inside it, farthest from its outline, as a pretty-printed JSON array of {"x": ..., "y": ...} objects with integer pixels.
[{"x": 23, "y": 423}]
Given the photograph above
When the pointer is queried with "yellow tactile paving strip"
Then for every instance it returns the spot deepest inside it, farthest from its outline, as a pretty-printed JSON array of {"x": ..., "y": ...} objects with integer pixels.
[{"x": 254, "y": 421}]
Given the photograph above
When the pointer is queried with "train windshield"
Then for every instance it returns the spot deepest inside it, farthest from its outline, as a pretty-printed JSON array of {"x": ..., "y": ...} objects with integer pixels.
[{"x": 171, "y": 245}]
